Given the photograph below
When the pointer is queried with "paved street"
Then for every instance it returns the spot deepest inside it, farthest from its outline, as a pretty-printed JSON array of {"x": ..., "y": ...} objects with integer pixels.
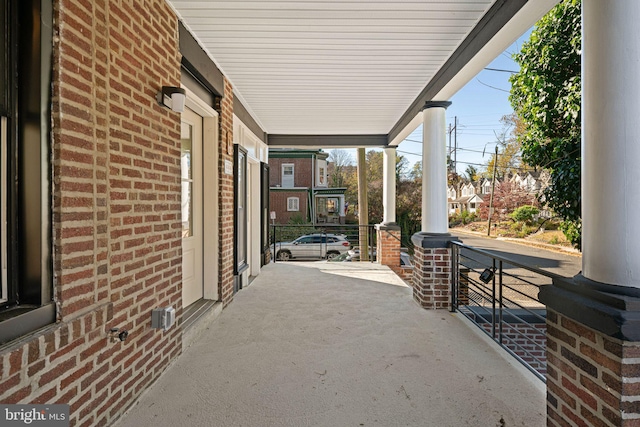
[{"x": 564, "y": 264}]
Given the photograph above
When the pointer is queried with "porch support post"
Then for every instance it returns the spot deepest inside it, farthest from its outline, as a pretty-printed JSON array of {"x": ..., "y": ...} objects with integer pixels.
[
  {"x": 434, "y": 168},
  {"x": 432, "y": 255},
  {"x": 388, "y": 233},
  {"x": 389, "y": 185},
  {"x": 593, "y": 320}
]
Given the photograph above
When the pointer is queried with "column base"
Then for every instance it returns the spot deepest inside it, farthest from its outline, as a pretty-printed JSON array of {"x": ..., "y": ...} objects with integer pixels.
[
  {"x": 611, "y": 309},
  {"x": 593, "y": 344},
  {"x": 432, "y": 269}
]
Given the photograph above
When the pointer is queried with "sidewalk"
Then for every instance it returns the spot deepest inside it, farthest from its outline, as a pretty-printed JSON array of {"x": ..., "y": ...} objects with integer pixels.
[{"x": 339, "y": 344}]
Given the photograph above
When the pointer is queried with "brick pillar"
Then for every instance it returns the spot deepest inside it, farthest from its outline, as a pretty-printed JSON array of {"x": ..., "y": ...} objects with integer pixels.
[
  {"x": 593, "y": 353},
  {"x": 388, "y": 247},
  {"x": 432, "y": 267}
]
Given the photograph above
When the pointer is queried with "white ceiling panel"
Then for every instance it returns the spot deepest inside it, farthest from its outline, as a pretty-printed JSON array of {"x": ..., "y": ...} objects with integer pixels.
[{"x": 330, "y": 67}]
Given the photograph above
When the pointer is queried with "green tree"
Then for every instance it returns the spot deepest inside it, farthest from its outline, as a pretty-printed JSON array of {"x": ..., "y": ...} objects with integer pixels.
[
  {"x": 471, "y": 173},
  {"x": 545, "y": 95},
  {"x": 339, "y": 160}
]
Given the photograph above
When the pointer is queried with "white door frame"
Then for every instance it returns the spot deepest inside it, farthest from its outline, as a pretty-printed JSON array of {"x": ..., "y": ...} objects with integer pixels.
[
  {"x": 192, "y": 256},
  {"x": 211, "y": 193},
  {"x": 253, "y": 217}
]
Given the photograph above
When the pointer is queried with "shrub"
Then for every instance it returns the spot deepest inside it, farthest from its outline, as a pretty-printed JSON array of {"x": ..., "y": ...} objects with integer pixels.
[{"x": 525, "y": 213}]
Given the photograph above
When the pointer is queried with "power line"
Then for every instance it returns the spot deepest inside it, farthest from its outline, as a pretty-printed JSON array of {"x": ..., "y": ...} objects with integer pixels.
[
  {"x": 500, "y": 70},
  {"x": 492, "y": 87}
]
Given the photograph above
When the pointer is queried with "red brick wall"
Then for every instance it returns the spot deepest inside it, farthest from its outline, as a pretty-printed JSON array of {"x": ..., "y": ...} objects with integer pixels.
[
  {"x": 225, "y": 109},
  {"x": 528, "y": 341},
  {"x": 278, "y": 204},
  {"x": 388, "y": 248},
  {"x": 432, "y": 277},
  {"x": 592, "y": 379},
  {"x": 302, "y": 173},
  {"x": 116, "y": 207}
]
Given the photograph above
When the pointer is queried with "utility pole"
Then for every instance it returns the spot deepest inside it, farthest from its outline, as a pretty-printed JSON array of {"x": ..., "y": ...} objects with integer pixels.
[
  {"x": 363, "y": 205},
  {"x": 493, "y": 187},
  {"x": 455, "y": 144},
  {"x": 452, "y": 159}
]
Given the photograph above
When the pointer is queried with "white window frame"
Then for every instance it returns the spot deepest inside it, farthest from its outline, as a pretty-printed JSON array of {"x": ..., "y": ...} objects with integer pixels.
[{"x": 293, "y": 204}]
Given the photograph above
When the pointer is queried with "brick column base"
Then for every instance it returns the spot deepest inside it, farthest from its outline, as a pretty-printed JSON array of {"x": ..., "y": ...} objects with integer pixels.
[
  {"x": 432, "y": 267},
  {"x": 593, "y": 354},
  {"x": 388, "y": 246}
]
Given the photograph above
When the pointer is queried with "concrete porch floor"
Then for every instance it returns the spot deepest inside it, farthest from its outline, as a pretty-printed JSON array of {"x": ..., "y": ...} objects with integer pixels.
[{"x": 339, "y": 344}]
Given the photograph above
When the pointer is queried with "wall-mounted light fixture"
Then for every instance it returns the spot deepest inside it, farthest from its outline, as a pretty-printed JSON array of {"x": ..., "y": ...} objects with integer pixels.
[{"x": 172, "y": 97}]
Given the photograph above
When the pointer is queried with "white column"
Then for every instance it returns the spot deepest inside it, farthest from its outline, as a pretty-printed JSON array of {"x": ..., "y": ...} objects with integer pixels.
[
  {"x": 611, "y": 142},
  {"x": 434, "y": 168},
  {"x": 389, "y": 185}
]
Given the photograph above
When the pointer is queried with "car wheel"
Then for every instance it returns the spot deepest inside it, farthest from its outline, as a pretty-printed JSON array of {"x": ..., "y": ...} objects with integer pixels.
[
  {"x": 332, "y": 255},
  {"x": 283, "y": 255}
]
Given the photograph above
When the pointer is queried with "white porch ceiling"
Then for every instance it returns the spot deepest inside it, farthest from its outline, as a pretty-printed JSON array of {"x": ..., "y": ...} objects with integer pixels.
[{"x": 331, "y": 67}]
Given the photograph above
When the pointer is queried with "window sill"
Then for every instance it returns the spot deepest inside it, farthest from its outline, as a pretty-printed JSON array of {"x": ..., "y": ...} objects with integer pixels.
[{"x": 21, "y": 321}]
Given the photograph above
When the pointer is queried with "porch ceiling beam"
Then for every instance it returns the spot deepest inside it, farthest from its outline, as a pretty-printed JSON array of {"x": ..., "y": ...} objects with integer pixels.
[
  {"x": 327, "y": 141},
  {"x": 198, "y": 62},
  {"x": 245, "y": 117}
]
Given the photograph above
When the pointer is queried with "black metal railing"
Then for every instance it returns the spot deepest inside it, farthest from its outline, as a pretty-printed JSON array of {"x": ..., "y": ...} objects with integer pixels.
[
  {"x": 501, "y": 297},
  {"x": 280, "y": 236}
]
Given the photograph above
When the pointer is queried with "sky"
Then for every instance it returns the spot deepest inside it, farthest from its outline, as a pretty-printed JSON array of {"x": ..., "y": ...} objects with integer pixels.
[{"x": 478, "y": 107}]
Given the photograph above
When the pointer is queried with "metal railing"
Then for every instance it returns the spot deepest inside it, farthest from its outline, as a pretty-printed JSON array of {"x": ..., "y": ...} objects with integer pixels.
[
  {"x": 288, "y": 233},
  {"x": 501, "y": 297}
]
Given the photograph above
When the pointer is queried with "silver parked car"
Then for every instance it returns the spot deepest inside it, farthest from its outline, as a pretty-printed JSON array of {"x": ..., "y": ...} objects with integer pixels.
[{"x": 313, "y": 246}]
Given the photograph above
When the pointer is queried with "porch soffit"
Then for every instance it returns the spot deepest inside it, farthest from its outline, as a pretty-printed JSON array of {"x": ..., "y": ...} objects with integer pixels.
[{"x": 345, "y": 68}]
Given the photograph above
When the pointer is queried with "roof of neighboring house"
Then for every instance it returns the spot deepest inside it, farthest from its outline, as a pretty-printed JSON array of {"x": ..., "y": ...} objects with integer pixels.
[
  {"x": 467, "y": 199},
  {"x": 329, "y": 191},
  {"x": 285, "y": 153}
]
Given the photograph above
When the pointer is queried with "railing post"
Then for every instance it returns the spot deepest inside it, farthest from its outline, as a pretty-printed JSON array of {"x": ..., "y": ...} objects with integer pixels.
[
  {"x": 493, "y": 301},
  {"x": 455, "y": 276},
  {"x": 500, "y": 301}
]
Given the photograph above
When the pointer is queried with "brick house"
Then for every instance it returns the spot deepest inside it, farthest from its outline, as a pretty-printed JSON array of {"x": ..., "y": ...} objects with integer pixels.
[
  {"x": 120, "y": 205},
  {"x": 300, "y": 190}
]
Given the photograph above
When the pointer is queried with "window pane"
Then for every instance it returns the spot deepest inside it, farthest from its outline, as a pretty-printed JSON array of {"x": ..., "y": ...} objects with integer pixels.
[{"x": 187, "y": 179}]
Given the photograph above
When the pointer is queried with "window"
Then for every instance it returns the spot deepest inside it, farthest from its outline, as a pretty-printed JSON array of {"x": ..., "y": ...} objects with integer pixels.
[
  {"x": 240, "y": 217},
  {"x": 26, "y": 292},
  {"x": 293, "y": 204},
  {"x": 187, "y": 179},
  {"x": 321, "y": 176},
  {"x": 288, "y": 170}
]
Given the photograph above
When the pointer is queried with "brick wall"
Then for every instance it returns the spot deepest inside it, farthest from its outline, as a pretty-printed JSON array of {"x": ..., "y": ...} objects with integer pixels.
[
  {"x": 592, "y": 379},
  {"x": 278, "y": 204},
  {"x": 388, "y": 246},
  {"x": 302, "y": 173},
  {"x": 116, "y": 208},
  {"x": 225, "y": 110},
  {"x": 432, "y": 277},
  {"x": 528, "y": 341}
]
